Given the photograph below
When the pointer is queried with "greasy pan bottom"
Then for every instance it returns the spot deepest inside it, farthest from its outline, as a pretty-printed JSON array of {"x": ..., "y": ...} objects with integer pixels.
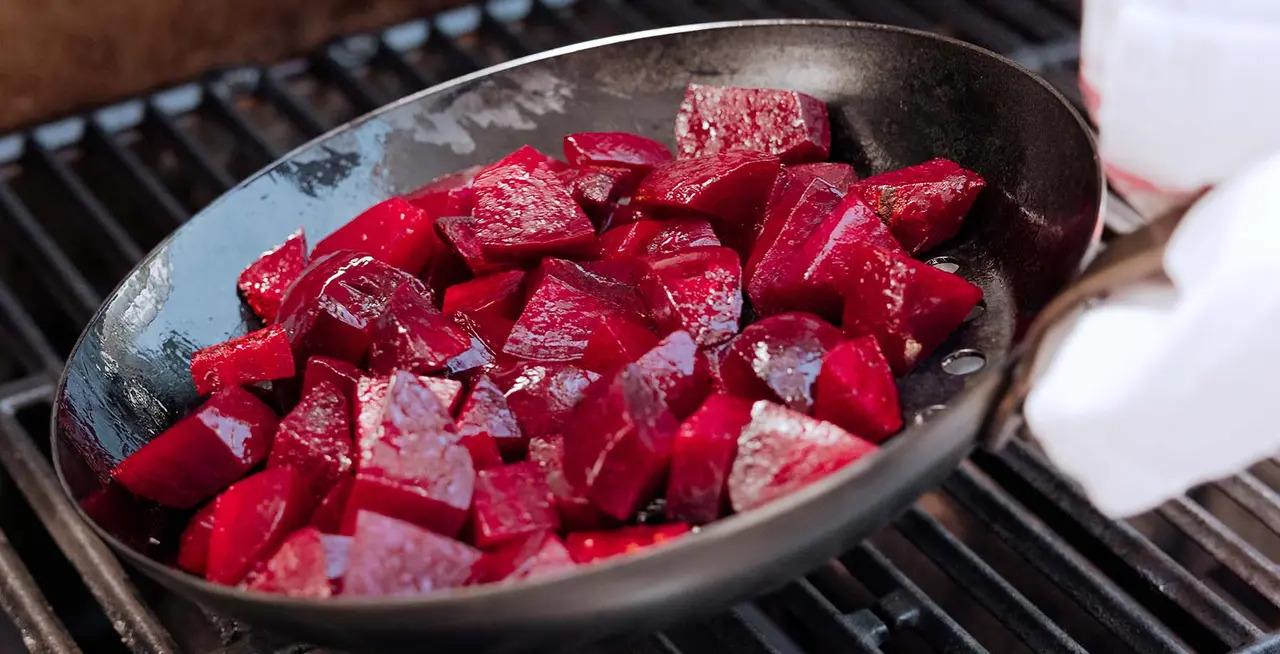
[{"x": 897, "y": 97}]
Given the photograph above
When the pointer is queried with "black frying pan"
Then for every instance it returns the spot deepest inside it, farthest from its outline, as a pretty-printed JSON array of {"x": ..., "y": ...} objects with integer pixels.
[{"x": 897, "y": 97}]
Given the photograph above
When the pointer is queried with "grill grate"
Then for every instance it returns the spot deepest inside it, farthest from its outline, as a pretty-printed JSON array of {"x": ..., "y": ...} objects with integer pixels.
[{"x": 1006, "y": 557}]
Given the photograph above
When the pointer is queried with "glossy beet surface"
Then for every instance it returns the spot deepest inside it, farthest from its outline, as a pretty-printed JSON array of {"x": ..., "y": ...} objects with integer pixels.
[
  {"x": 704, "y": 449},
  {"x": 618, "y": 149},
  {"x": 392, "y": 557},
  {"x": 778, "y": 359},
  {"x": 800, "y": 205},
  {"x": 393, "y": 231},
  {"x": 856, "y": 391},
  {"x": 656, "y": 237},
  {"x": 510, "y": 502},
  {"x": 257, "y": 356},
  {"x": 911, "y": 97},
  {"x": 264, "y": 282},
  {"x": 251, "y": 519},
  {"x": 315, "y": 439},
  {"x": 299, "y": 568},
  {"x": 790, "y": 125},
  {"x": 731, "y": 187},
  {"x": 524, "y": 212},
  {"x": 698, "y": 291},
  {"x": 923, "y": 205}
]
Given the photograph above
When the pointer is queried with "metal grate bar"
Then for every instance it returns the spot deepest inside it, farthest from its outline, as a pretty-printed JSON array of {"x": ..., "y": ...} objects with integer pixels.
[
  {"x": 985, "y": 584},
  {"x": 1035, "y": 542},
  {"x": 42, "y": 631},
  {"x": 364, "y": 97},
  {"x": 1226, "y": 546},
  {"x": 289, "y": 104},
  {"x": 511, "y": 40},
  {"x": 401, "y": 66},
  {"x": 33, "y": 340},
  {"x": 80, "y": 298},
  {"x": 461, "y": 60},
  {"x": 126, "y": 161},
  {"x": 627, "y": 15},
  {"x": 972, "y": 24},
  {"x": 122, "y": 245},
  {"x": 762, "y": 629},
  {"x": 565, "y": 19},
  {"x": 216, "y": 99},
  {"x": 192, "y": 152},
  {"x": 837, "y": 633},
  {"x": 1256, "y": 497},
  {"x": 664, "y": 644}
]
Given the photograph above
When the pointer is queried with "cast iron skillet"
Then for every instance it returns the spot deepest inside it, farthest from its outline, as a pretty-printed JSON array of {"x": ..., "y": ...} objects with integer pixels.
[{"x": 897, "y": 97}]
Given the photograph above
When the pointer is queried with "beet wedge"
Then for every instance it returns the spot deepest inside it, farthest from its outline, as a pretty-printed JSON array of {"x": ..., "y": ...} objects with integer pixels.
[
  {"x": 597, "y": 188},
  {"x": 393, "y": 231},
  {"x": 839, "y": 175},
  {"x": 264, "y": 282},
  {"x": 677, "y": 372},
  {"x": 703, "y": 453},
  {"x": 857, "y": 392},
  {"x": 459, "y": 234},
  {"x": 732, "y": 188},
  {"x": 794, "y": 214},
  {"x": 251, "y": 519},
  {"x": 315, "y": 440},
  {"x": 203, "y": 453},
  {"x": 328, "y": 514},
  {"x": 411, "y": 334},
  {"x": 619, "y": 149},
  {"x": 523, "y": 213},
  {"x": 572, "y": 505},
  {"x": 779, "y": 358},
  {"x": 193, "y": 545},
  {"x": 614, "y": 343},
  {"x": 493, "y": 303},
  {"x": 487, "y": 426},
  {"x": 586, "y": 547},
  {"x": 656, "y": 237},
  {"x": 391, "y": 557},
  {"x": 261, "y": 355},
  {"x": 341, "y": 374},
  {"x": 299, "y": 568},
  {"x": 512, "y": 501},
  {"x": 527, "y": 557},
  {"x": 447, "y": 195},
  {"x": 923, "y": 205},
  {"x": 542, "y": 395},
  {"x": 787, "y": 124},
  {"x": 698, "y": 291}
]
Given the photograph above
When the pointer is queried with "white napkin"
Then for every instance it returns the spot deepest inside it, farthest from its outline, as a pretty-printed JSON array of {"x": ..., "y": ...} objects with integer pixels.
[{"x": 1166, "y": 386}]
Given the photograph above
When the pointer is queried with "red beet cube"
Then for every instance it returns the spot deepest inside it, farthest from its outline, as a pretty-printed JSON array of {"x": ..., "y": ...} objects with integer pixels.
[
  {"x": 856, "y": 391},
  {"x": 479, "y": 353},
  {"x": 711, "y": 358},
  {"x": 337, "y": 550},
  {"x": 528, "y": 157},
  {"x": 334, "y": 371},
  {"x": 370, "y": 402},
  {"x": 715, "y": 119},
  {"x": 332, "y": 307},
  {"x": 393, "y": 557},
  {"x": 732, "y": 187},
  {"x": 523, "y": 213},
  {"x": 542, "y": 395},
  {"x": 193, "y": 546},
  {"x": 781, "y": 451},
  {"x": 264, "y": 282},
  {"x": 459, "y": 234},
  {"x": 298, "y": 569},
  {"x": 909, "y": 307},
  {"x": 410, "y": 466},
  {"x": 679, "y": 374},
  {"x": 492, "y": 302},
  {"x": 257, "y": 356},
  {"x": 618, "y": 442},
  {"x": 586, "y": 547},
  {"x": 656, "y": 237},
  {"x": 328, "y": 515},
  {"x": 510, "y": 501},
  {"x": 794, "y": 214},
  {"x": 925, "y": 204},
  {"x": 449, "y": 195},
  {"x": 839, "y": 175},
  {"x": 614, "y": 149},
  {"x": 527, "y": 557},
  {"x": 250, "y": 520},
  {"x": 448, "y": 391},
  {"x": 779, "y": 358},
  {"x": 610, "y": 282},
  {"x": 203, "y": 453},
  {"x": 703, "y": 454},
  {"x": 412, "y": 335},
  {"x": 392, "y": 231},
  {"x": 597, "y": 188},
  {"x": 613, "y": 343},
  {"x": 572, "y": 505},
  {"x": 698, "y": 291},
  {"x": 487, "y": 425},
  {"x": 315, "y": 440}
]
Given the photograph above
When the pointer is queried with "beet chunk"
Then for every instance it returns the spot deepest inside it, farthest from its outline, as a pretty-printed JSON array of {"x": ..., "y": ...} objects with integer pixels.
[
  {"x": 493, "y": 303},
  {"x": 447, "y": 195},
  {"x": 392, "y": 231},
  {"x": 487, "y": 425},
  {"x": 542, "y": 395},
  {"x": 572, "y": 505},
  {"x": 909, "y": 307},
  {"x": 698, "y": 291},
  {"x": 586, "y": 547},
  {"x": 459, "y": 234},
  {"x": 732, "y": 188},
  {"x": 925, "y": 204},
  {"x": 781, "y": 451},
  {"x": 193, "y": 546},
  {"x": 264, "y": 282},
  {"x": 704, "y": 449},
  {"x": 527, "y": 157},
  {"x": 412, "y": 335},
  {"x": 393, "y": 557},
  {"x": 618, "y": 442},
  {"x": 328, "y": 515},
  {"x": 523, "y": 212},
  {"x": 331, "y": 309},
  {"x": 856, "y": 391},
  {"x": 298, "y": 569},
  {"x": 315, "y": 440},
  {"x": 778, "y": 359},
  {"x": 511, "y": 501},
  {"x": 410, "y": 466},
  {"x": 613, "y": 343},
  {"x": 614, "y": 149},
  {"x": 527, "y": 557},
  {"x": 478, "y": 353},
  {"x": 716, "y": 119},
  {"x": 262, "y": 355},
  {"x": 203, "y": 453},
  {"x": 794, "y": 214},
  {"x": 680, "y": 376},
  {"x": 251, "y": 519},
  {"x": 656, "y": 237},
  {"x": 334, "y": 371},
  {"x": 597, "y": 188},
  {"x": 839, "y": 175}
]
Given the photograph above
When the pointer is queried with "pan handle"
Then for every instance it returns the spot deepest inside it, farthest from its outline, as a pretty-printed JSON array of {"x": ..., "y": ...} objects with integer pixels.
[{"x": 1130, "y": 258}]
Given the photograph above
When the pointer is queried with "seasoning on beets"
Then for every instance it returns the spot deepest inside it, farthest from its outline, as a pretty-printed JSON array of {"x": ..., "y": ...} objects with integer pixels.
[{"x": 491, "y": 378}]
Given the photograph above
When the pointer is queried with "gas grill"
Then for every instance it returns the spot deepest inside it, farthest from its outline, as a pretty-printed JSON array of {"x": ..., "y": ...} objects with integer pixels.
[{"x": 1006, "y": 556}]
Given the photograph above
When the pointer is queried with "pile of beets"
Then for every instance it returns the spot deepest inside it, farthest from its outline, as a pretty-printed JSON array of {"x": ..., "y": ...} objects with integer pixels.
[{"x": 535, "y": 364}]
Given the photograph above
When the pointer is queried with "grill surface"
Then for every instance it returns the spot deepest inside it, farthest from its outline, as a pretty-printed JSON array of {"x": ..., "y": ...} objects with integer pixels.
[{"x": 1006, "y": 557}]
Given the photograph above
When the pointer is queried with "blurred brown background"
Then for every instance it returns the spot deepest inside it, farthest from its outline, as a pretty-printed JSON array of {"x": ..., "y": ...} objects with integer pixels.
[{"x": 58, "y": 55}]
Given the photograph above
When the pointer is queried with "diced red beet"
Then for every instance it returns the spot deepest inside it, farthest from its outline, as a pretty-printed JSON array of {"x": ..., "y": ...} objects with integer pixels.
[
  {"x": 459, "y": 233},
  {"x": 510, "y": 501},
  {"x": 698, "y": 290},
  {"x": 779, "y": 358},
  {"x": 331, "y": 309},
  {"x": 328, "y": 515},
  {"x": 480, "y": 352},
  {"x": 781, "y": 451},
  {"x": 203, "y": 453},
  {"x": 839, "y": 175},
  {"x": 526, "y": 156},
  {"x": 656, "y": 237},
  {"x": 856, "y": 391},
  {"x": 449, "y": 195},
  {"x": 607, "y": 281},
  {"x": 711, "y": 358},
  {"x": 486, "y": 425},
  {"x": 335, "y": 371},
  {"x": 370, "y": 402},
  {"x": 627, "y": 271},
  {"x": 392, "y": 557},
  {"x": 732, "y": 188},
  {"x": 261, "y": 355},
  {"x": 790, "y": 125},
  {"x": 315, "y": 440},
  {"x": 792, "y": 216},
  {"x": 618, "y": 442},
  {"x": 264, "y": 282},
  {"x": 449, "y": 391},
  {"x": 298, "y": 569},
  {"x": 527, "y": 557},
  {"x": 596, "y": 188},
  {"x": 586, "y": 547},
  {"x": 250, "y": 520},
  {"x": 704, "y": 449},
  {"x": 411, "y": 467},
  {"x": 614, "y": 343},
  {"x": 677, "y": 372},
  {"x": 523, "y": 212},
  {"x": 572, "y": 505},
  {"x": 193, "y": 546},
  {"x": 413, "y": 335},
  {"x": 909, "y": 306},
  {"x": 337, "y": 550},
  {"x": 492, "y": 302},
  {"x": 614, "y": 149},
  {"x": 924, "y": 204},
  {"x": 542, "y": 395},
  {"x": 393, "y": 231}
]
